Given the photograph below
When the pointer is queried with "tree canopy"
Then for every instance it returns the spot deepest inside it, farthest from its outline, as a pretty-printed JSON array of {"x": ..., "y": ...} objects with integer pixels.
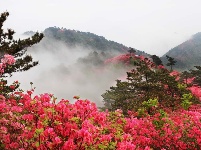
[
  {"x": 156, "y": 60},
  {"x": 145, "y": 83},
  {"x": 17, "y": 48}
]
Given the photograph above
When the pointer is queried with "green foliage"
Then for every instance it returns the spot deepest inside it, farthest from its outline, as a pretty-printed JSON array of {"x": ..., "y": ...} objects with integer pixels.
[
  {"x": 159, "y": 123},
  {"x": 38, "y": 131},
  {"x": 141, "y": 112},
  {"x": 147, "y": 107},
  {"x": 107, "y": 146},
  {"x": 77, "y": 120},
  {"x": 182, "y": 87},
  {"x": 163, "y": 114},
  {"x": 150, "y": 103},
  {"x": 17, "y": 48},
  {"x": 186, "y": 103}
]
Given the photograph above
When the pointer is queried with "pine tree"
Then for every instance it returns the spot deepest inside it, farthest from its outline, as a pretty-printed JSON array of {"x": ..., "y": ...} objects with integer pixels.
[
  {"x": 171, "y": 62},
  {"x": 17, "y": 48},
  {"x": 156, "y": 60},
  {"x": 143, "y": 83}
]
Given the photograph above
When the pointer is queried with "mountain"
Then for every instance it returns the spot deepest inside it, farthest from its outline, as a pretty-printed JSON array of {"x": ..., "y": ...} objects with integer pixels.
[
  {"x": 73, "y": 63},
  {"x": 187, "y": 54},
  {"x": 87, "y": 40}
]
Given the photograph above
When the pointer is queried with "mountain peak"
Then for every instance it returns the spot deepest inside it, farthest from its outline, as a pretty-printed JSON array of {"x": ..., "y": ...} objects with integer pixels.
[
  {"x": 187, "y": 54},
  {"x": 197, "y": 36}
]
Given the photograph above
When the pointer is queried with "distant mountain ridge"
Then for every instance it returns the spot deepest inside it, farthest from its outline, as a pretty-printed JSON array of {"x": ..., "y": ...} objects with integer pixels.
[
  {"x": 187, "y": 54},
  {"x": 85, "y": 39}
]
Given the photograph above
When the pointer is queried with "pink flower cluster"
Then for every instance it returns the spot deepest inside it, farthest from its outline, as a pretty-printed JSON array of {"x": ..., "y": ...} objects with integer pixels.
[
  {"x": 190, "y": 80},
  {"x": 176, "y": 74},
  {"x": 196, "y": 90},
  {"x": 124, "y": 58},
  {"x": 6, "y": 60},
  {"x": 39, "y": 123}
]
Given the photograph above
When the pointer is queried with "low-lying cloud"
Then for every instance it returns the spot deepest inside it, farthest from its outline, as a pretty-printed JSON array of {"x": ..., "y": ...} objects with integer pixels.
[{"x": 60, "y": 73}]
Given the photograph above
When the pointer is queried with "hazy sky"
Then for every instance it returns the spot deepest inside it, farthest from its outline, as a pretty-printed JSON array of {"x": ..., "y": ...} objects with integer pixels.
[{"x": 153, "y": 26}]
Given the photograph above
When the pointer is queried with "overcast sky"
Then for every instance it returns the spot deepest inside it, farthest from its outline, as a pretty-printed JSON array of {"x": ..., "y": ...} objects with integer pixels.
[{"x": 153, "y": 26}]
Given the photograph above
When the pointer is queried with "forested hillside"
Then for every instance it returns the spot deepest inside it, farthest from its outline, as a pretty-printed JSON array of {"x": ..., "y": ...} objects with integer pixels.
[
  {"x": 187, "y": 54},
  {"x": 84, "y": 39}
]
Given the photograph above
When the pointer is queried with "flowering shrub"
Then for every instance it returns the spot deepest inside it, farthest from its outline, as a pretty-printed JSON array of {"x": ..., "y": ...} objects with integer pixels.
[
  {"x": 40, "y": 123},
  {"x": 196, "y": 90},
  {"x": 5, "y": 61},
  {"x": 128, "y": 59},
  {"x": 121, "y": 58}
]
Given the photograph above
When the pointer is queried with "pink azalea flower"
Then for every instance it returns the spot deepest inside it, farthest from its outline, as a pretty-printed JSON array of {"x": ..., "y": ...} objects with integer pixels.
[
  {"x": 161, "y": 67},
  {"x": 174, "y": 73},
  {"x": 69, "y": 145},
  {"x": 57, "y": 140},
  {"x": 28, "y": 117},
  {"x": 8, "y": 59},
  {"x": 3, "y": 130},
  {"x": 14, "y": 145},
  {"x": 16, "y": 109},
  {"x": 12, "y": 87}
]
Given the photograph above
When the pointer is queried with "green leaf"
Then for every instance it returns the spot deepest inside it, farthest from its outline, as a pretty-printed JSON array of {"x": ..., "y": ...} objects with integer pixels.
[
  {"x": 39, "y": 131},
  {"x": 37, "y": 144}
]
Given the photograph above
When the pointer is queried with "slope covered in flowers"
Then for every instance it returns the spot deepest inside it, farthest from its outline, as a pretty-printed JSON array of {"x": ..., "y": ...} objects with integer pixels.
[
  {"x": 38, "y": 122},
  {"x": 123, "y": 58}
]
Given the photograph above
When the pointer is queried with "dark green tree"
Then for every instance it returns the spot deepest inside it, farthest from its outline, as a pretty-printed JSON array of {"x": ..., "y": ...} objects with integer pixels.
[
  {"x": 156, "y": 60},
  {"x": 171, "y": 62},
  {"x": 196, "y": 73},
  {"x": 144, "y": 83},
  {"x": 17, "y": 48},
  {"x": 131, "y": 51}
]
